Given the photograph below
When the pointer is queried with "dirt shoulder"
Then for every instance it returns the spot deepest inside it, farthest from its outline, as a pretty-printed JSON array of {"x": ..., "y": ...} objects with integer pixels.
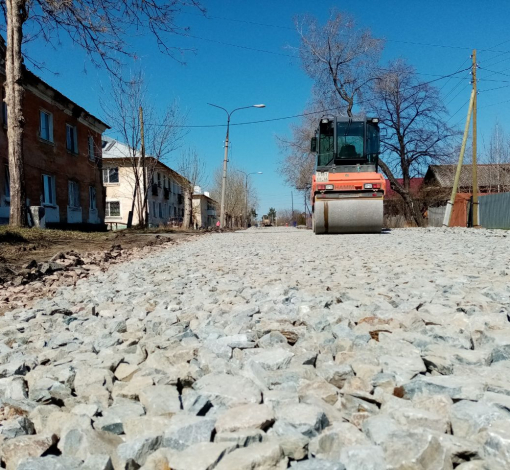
[{"x": 35, "y": 262}]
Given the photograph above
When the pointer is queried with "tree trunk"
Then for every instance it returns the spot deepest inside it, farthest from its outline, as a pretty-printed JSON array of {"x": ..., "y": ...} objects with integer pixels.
[
  {"x": 186, "y": 223},
  {"x": 405, "y": 195},
  {"x": 16, "y": 15}
]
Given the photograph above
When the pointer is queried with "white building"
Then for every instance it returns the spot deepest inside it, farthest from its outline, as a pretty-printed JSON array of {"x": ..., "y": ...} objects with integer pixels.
[{"x": 164, "y": 190}]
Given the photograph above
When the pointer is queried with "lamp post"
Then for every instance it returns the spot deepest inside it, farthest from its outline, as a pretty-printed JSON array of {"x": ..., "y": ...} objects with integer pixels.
[
  {"x": 225, "y": 158},
  {"x": 246, "y": 191}
]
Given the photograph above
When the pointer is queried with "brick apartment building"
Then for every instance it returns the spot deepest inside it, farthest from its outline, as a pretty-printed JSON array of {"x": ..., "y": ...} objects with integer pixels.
[{"x": 62, "y": 155}]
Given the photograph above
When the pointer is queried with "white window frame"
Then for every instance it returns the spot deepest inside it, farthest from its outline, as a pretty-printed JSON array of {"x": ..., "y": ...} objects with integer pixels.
[
  {"x": 73, "y": 194},
  {"x": 92, "y": 198},
  {"x": 49, "y": 193},
  {"x": 107, "y": 209},
  {"x": 107, "y": 175},
  {"x": 47, "y": 137},
  {"x": 71, "y": 131},
  {"x": 7, "y": 184},
  {"x": 92, "y": 147}
]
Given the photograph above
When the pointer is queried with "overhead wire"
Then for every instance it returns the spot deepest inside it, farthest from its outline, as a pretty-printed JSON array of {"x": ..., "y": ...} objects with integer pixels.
[{"x": 302, "y": 114}]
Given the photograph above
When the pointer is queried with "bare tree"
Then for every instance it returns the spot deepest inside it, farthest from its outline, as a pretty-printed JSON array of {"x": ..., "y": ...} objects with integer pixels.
[
  {"x": 417, "y": 131},
  {"x": 235, "y": 196},
  {"x": 339, "y": 57},
  {"x": 97, "y": 26},
  {"x": 163, "y": 134},
  {"x": 298, "y": 164},
  {"x": 193, "y": 170},
  {"x": 497, "y": 156}
]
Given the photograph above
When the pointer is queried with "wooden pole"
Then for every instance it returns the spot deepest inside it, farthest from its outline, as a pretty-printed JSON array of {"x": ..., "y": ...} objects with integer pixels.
[
  {"x": 475, "y": 175},
  {"x": 449, "y": 206}
]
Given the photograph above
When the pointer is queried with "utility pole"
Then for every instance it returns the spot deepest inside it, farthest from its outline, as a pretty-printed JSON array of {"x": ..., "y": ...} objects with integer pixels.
[
  {"x": 449, "y": 206},
  {"x": 292, "y": 199},
  {"x": 475, "y": 175},
  {"x": 145, "y": 207}
]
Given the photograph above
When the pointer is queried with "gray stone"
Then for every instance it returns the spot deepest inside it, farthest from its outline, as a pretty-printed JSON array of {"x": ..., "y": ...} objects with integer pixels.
[
  {"x": 329, "y": 444},
  {"x": 185, "y": 430},
  {"x": 402, "y": 368},
  {"x": 363, "y": 457},
  {"x": 242, "y": 438},
  {"x": 201, "y": 456},
  {"x": 468, "y": 417},
  {"x": 317, "y": 464},
  {"x": 496, "y": 442},
  {"x": 12, "y": 428},
  {"x": 137, "y": 450},
  {"x": 308, "y": 420},
  {"x": 256, "y": 457},
  {"x": 146, "y": 426},
  {"x": 84, "y": 443},
  {"x": 223, "y": 389},
  {"x": 456, "y": 387},
  {"x": 97, "y": 462},
  {"x": 273, "y": 359},
  {"x": 114, "y": 417},
  {"x": 52, "y": 462},
  {"x": 245, "y": 417},
  {"x": 161, "y": 400},
  {"x": 418, "y": 450},
  {"x": 14, "y": 450},
  {"x": 500, "y": 353}
]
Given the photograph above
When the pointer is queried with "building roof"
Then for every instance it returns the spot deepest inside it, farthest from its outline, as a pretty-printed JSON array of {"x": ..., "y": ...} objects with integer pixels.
[
  {"x": 37, "y": 84},
  {"x": 414, "y": 186},
  {"x": 115, "y": 150},
  {"x": 488, "y": 175}
]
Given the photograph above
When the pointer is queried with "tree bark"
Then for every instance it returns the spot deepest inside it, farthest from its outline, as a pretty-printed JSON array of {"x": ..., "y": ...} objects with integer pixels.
[
  {"x": 405, "y": 195},
  {"x": 186, "y": 223},
  {"x": 16, "y": 16}
]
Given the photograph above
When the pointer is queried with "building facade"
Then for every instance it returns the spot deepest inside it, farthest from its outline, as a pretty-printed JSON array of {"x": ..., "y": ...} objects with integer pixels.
[
  {"x": 204, "y": 210},
  {"x": 62, "y": 157},
  {"x": 165, "y": 201}
]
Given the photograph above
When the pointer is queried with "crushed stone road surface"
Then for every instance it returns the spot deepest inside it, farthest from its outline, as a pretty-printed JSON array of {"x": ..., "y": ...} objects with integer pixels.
[{"x": 270, "y": 348}]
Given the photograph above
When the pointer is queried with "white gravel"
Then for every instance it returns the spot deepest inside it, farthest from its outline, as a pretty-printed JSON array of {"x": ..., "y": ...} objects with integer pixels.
[{"x": 270, "y": 348}]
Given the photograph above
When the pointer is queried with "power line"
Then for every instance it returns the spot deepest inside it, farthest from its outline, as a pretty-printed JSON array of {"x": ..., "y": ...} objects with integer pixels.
[
  {"x": 494, "y": 72},
  {"x": 310, "y": 113},
  {"x": 241, "y": 47},
  {"x": 209, "y": 17}
]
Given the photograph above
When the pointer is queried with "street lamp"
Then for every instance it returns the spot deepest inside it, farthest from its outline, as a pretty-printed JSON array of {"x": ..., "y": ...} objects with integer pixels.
[
  {"x": 225, "y": 158},
  {"x": 246, "y": 191}
]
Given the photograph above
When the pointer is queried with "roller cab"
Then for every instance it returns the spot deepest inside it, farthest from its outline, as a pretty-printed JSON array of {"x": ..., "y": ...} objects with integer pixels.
[{"x": 347, "y": 191}]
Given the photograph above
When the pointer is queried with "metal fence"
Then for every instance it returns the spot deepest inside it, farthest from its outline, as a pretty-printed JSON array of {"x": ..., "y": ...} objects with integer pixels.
[
  {"x": 436, "y": 216},
  {"x": 494, "y": 210}
]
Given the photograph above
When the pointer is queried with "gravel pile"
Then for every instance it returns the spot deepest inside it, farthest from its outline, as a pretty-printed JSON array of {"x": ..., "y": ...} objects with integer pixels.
[{"x": 269, "y": 349}]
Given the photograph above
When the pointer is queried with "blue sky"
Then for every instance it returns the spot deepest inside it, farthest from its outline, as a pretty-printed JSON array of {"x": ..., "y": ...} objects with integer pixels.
[{"x": 435, "y": 36}]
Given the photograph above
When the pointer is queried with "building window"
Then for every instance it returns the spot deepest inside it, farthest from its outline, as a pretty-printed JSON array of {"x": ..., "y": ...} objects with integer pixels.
[
  {"x": 92, "y": 198},
  {"x": 154, "y": 208},
  {"x": 7, "y": 184},
  {"x": 74, "y": 194},
  {"x": 71, "y": 138},
  {"x": 112, "y": 209},
  {"x": 160, "y": 211},
  {"x": 48, "y": 190},
  {"x": 92, "y": 153},
  {"x": 159, "y": 179},
  {"x": 46, "y": 126},
  {"x": 111, "y": 175}
]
